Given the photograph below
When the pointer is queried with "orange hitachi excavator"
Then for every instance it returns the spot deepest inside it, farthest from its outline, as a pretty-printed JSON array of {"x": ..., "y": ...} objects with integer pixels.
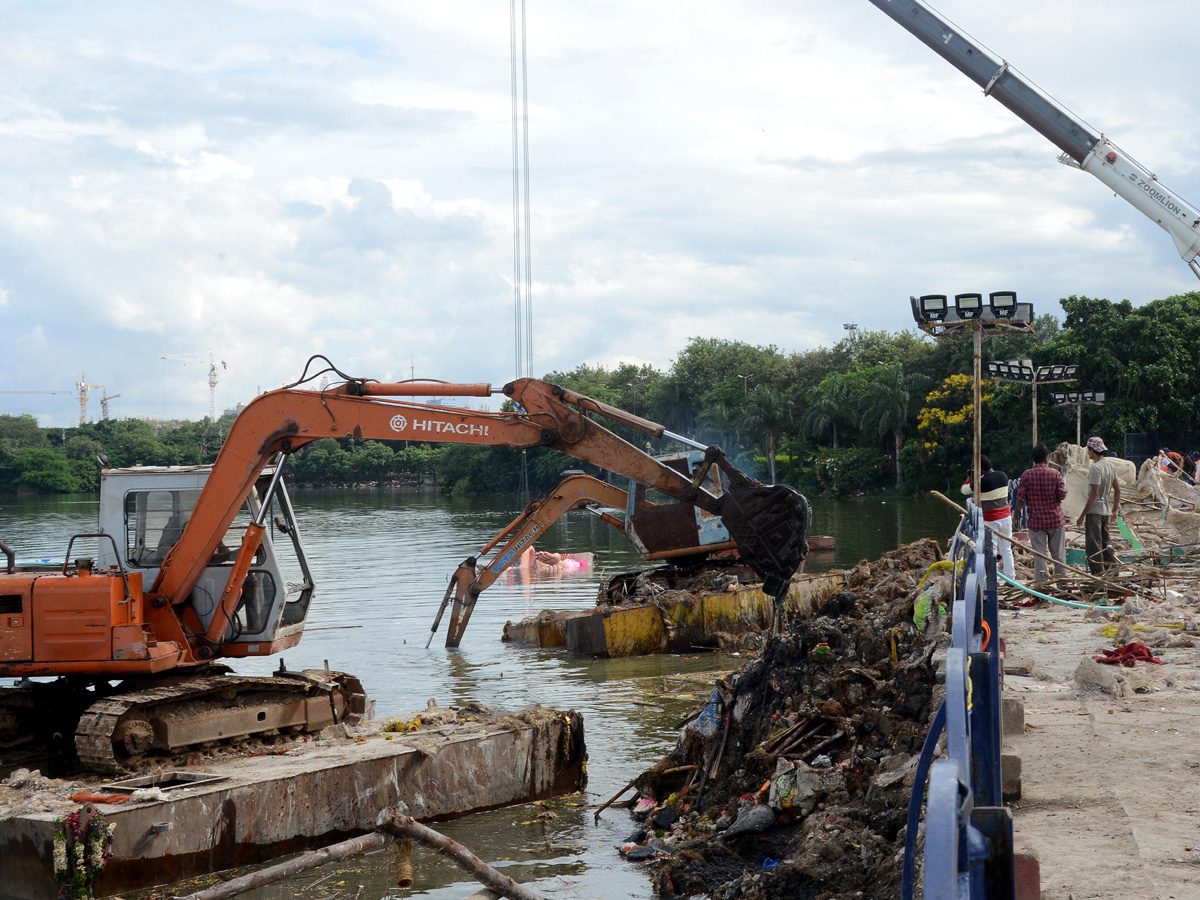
[
  {"x": 677, "y": 531},
  {"x": 138, "y": 663}
]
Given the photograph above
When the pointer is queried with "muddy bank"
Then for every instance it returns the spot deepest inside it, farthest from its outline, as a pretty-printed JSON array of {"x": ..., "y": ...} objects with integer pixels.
[{"x": 792, "y": 781}]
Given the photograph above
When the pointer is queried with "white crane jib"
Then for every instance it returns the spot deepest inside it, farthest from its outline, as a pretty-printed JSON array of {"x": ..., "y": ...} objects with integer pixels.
[{"x": 212, "y": 378}]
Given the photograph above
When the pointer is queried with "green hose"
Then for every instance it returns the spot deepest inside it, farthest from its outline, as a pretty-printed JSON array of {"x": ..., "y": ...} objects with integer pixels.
[{"x": 1074, "y": 604}]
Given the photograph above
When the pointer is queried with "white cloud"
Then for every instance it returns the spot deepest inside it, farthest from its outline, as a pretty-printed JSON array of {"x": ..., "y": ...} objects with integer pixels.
[{"x": 293, "y": 176}]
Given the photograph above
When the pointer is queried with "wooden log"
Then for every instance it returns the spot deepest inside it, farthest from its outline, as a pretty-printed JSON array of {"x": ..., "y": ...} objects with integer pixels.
[
  {"x": 294, "y": 866},
  {"x": 393, "y": 826},
  {"x": 407, "y": 827},
  {"x": 611, "y": 800}
]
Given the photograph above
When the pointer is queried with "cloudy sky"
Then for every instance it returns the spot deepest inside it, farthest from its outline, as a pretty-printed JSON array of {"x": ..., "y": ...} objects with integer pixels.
[{"x": 268, "y": 180}]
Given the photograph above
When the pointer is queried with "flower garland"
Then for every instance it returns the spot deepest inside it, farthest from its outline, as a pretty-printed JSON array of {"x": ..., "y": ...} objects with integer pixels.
[{"x": 81, "y": 849}]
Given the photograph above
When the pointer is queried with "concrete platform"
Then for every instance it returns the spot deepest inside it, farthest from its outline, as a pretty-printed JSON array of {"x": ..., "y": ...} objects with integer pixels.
[
  {"x": 675, "y": 623},
  {"x": 269, "y": 806}
]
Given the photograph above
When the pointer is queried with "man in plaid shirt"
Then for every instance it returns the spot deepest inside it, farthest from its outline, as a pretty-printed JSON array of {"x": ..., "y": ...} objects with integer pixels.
[{"x": 1042, "y": 492}]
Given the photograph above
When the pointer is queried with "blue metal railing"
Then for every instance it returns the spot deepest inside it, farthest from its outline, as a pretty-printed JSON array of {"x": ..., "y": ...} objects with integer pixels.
[{"x": 968, "y": 832}]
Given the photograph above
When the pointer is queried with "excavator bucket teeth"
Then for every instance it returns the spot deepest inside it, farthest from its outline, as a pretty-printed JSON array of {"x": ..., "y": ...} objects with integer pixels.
[{"x": 770, "y": 524}]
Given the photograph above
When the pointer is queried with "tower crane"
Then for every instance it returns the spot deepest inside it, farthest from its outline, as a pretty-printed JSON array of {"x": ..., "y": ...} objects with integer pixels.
[
  {"x": 212, "y": 378},
  {"x": 83, "y": 387},
  {"x": 104, "y": 403}
]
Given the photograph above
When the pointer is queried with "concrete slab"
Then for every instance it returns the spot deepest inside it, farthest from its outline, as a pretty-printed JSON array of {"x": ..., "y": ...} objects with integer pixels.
[
  {"x": 675, "y": 623},
  {"x": 269, "y": 806}
]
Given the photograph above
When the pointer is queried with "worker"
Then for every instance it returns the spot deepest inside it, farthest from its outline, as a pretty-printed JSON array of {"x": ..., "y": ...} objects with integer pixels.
[
  {"x": 1170, "y": 462},
  {"x": 1189, "y": 467},
  {"x": 1041, "y": 492},
  {"x": 993, "y": 498},
  {"x": 1098, "y": 510}
]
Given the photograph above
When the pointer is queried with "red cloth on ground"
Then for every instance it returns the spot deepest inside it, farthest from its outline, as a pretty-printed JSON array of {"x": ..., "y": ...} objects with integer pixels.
[{"x": 1128, "y": 655}]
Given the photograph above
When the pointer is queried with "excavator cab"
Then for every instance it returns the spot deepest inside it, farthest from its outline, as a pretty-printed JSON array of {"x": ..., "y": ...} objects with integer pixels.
[
  {"x": 146, "y": 508},
  {"x": 662, "y": 527}
]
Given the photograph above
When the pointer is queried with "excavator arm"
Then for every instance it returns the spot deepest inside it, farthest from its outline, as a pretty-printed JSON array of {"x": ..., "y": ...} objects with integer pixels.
[
  {"x": 468, "y": 582},
  {"x": 769, "y": 522}
]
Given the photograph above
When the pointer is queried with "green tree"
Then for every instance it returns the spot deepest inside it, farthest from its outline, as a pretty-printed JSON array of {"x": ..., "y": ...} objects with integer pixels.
[
  {"x": 372, "y": 461},
  {"x": 889, "y": 405},
  {"x": 45, "y": 471},
  {"x": 767, "y": 414},
  {"x": 830, "y": 404}
]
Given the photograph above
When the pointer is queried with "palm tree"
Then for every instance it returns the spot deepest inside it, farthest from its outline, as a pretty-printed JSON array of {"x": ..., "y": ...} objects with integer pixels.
[
  {"x": 888, "y": 402},
  {"x": 829, "y": 404},
  {"x": 767, "y": 413},
  {"x": 718, "y": 421}
]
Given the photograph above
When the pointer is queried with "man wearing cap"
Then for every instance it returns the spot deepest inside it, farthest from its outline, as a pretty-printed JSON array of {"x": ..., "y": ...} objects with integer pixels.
[{"x": 1097, "y": 511}]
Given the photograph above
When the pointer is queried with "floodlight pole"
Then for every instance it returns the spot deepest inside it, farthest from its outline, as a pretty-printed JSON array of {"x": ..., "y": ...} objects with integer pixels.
[
  {"x": 1078, "y": 424},
  {"x": 1035, "y": 384},
  {"x": 977, "y": 328}
]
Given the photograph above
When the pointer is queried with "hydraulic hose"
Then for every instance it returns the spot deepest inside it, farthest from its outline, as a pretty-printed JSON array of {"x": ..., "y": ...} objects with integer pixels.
[
  {"x": 1074, "y": 604},
  {"x": 914, "y": 802}
]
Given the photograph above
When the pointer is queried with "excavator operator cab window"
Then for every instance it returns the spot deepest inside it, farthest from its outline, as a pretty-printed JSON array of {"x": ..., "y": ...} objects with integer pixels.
[
  {"x": 154, "y": 522},
  {"x": 686, "y": 464},
  {"x": 289, "y": 553}
]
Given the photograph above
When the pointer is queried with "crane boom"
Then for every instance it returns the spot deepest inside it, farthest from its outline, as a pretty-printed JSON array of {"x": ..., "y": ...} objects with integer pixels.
[{"x": 1095, "y": 154}]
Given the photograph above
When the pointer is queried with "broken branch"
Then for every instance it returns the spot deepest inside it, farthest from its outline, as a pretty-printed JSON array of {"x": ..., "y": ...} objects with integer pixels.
[{"x": 408, "y": 827}]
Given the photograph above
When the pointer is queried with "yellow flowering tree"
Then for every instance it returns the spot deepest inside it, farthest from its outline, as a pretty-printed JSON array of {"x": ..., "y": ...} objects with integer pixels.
[{"x": 945, "y": 427}]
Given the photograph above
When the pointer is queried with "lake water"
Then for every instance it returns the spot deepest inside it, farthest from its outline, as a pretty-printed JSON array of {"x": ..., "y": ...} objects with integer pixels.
[{"x": 381, "y": 560}]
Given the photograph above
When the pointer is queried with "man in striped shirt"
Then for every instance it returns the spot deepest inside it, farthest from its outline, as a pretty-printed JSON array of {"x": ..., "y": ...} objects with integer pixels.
[{"x": 993, "y": 498}]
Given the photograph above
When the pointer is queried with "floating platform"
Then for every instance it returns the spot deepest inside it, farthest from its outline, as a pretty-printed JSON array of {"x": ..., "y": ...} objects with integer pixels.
[
  {"x": 246, "y": 810},
  {"x": 676, "y": 622}
]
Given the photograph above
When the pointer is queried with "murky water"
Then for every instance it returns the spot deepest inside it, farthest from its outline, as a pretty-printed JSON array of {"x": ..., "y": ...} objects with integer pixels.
[{"x": 381, "y": 560}]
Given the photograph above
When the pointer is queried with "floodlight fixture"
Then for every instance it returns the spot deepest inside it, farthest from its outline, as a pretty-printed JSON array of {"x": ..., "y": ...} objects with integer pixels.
[
  {"x": 1058, "y": 396},
  {"x": 1074, "y": 397},
  {"x": 1024, "y": 369},
  {"x": 1070, "y": 371},
  {"x": 933, "y": 307},
  {"x": 968, "y": 306},
  {"x": 997, "y": 370},
  {"x": 1003, "y": 304}
]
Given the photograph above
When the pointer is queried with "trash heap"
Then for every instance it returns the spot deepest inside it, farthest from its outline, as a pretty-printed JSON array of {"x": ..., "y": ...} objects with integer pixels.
[{"x": 793, "y": 779}]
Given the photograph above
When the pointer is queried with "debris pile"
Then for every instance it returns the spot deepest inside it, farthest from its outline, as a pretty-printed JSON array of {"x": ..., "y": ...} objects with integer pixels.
[{"x": 791, "y": 781}]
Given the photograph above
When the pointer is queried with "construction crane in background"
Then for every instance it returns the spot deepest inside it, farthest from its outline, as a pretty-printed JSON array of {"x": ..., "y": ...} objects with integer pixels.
[
  {"x": 104, "y": 403},
  {"x": 37, "y": 392},
  {"x": 212, "y": 379},
  {"x": 83, "y": 387}
]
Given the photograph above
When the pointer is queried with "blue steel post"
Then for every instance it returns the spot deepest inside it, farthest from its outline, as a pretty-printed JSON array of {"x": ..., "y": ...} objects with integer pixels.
[{"x": 968, "y": 835}]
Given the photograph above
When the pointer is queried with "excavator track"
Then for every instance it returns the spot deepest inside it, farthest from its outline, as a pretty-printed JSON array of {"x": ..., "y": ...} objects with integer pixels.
[{"x": 123, "y": 732}]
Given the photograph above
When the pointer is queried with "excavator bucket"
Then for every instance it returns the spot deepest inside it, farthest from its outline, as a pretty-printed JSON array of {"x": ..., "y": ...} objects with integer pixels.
[
  {"x": 463, "y": 603},
  {"x": 770, "y": 524}
]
